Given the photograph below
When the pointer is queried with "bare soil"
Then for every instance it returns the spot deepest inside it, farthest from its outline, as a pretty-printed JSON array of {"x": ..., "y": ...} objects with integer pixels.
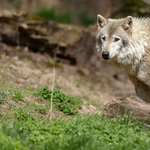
[{"x": 28, "y": 70}]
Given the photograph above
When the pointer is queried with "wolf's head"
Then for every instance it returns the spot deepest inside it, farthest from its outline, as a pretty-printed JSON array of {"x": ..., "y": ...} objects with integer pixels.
[{"x": 113, "y": 37}]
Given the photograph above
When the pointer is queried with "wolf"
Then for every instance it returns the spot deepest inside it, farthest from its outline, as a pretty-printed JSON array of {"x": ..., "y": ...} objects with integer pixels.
[{"x": 125, "y": 43}]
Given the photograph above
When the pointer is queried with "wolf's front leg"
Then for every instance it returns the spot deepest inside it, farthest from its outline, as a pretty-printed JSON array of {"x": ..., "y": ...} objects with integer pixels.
[{"x": 143, "y": 91}]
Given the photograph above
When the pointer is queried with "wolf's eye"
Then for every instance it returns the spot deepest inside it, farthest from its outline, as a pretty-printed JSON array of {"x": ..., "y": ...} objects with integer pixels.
[
  {"x": 117, "y": 39},
  {"x": 103, "y": 38}
]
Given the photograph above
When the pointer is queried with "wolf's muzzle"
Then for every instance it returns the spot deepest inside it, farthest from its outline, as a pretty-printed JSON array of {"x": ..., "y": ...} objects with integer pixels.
[{"x": 105, "y": 55}]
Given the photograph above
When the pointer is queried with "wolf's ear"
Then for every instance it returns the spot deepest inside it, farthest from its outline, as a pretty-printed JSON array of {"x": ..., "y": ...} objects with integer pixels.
[
  {"x": 101, "y": 21},
  {"x": 127, "y": 23}
]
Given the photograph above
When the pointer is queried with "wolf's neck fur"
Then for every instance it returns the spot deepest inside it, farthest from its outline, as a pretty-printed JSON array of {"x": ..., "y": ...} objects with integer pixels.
[
  {"x": 133, "y": 54},
  {"x": 129, "y": 58}
]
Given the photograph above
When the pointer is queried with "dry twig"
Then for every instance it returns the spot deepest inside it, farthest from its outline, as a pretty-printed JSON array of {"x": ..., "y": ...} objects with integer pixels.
[
  {"x": 50, "y": 110},
  {"x": 52, "y": 94}
]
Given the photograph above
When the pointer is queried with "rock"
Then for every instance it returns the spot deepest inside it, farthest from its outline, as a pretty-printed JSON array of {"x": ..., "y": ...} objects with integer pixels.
[
  {"x": 9, "y": 36},
  {"x": 51, "y": 44},
  {"x": 7, "y": 16},
  {"x": 20, "y": 14},
  {"x": 39, "y": 38},
  {"x": 62, "y": 46},
  {"x": 25, "y": 28},
  {"x": 132, "y": 105},
  {"x": 70, "y": 44}
]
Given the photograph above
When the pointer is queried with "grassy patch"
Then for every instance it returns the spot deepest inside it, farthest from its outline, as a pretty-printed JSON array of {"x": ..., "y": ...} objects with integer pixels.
[
  {"x": 3, "y": 94},
  {"x": 40, "y": 108},
  {"x": 66, "y": 103},
  {"x": 16, "y": 94},
  {"x": 53, "y": 14},
  {"x": 81, "y": 132},
  {"x": 65, "y": 16},
  {"x": 23, "y": 116},
  {"x": 21, "y": 127}
]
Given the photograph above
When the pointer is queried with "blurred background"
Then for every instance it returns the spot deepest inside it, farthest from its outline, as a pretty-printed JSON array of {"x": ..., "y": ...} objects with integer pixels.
[{"x": 79, "y": 12}]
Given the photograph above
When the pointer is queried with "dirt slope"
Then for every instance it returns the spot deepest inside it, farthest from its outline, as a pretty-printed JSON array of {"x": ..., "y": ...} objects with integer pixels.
[{"x": 29, "y": 70}]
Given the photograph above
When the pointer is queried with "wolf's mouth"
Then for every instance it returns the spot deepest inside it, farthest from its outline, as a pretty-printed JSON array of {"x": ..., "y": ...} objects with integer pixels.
[{"x": 106, "y": 58}]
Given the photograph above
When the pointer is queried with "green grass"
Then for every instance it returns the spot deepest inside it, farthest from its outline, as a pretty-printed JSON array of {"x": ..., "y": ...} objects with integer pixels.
[
  {"x": 14, "y": 94},
  {"x": 3, "y": 94},
  {"x": 65, "y": 16},
  {"x": 21, "y": 127},
  {"x": 80, "y": 132},
  {"x": 52, "y": 13},
  {"x": 66, "y": 103},
  {"x": 40, "y": 108}
]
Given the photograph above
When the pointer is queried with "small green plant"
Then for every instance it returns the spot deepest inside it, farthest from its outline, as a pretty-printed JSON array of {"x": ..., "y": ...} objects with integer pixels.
[
  {"x": 40, "y": 108},
  {"x": 24, "y": 116},
  {"x": 9, "y": 144},
  {"x": 43, "y": 93},
  {"x": 125, "y": 119},
  {"x": 3, "y": 94},
  {"x": 66, "y": 108},
  {"x": 16, "y": 94},
  {"x": 53, "y": 14},
  {"x": 61, "y": 101}
]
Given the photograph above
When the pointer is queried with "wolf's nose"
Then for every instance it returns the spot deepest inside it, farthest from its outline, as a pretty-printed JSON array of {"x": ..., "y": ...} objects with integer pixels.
[{"x": 105, "y": 55}]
